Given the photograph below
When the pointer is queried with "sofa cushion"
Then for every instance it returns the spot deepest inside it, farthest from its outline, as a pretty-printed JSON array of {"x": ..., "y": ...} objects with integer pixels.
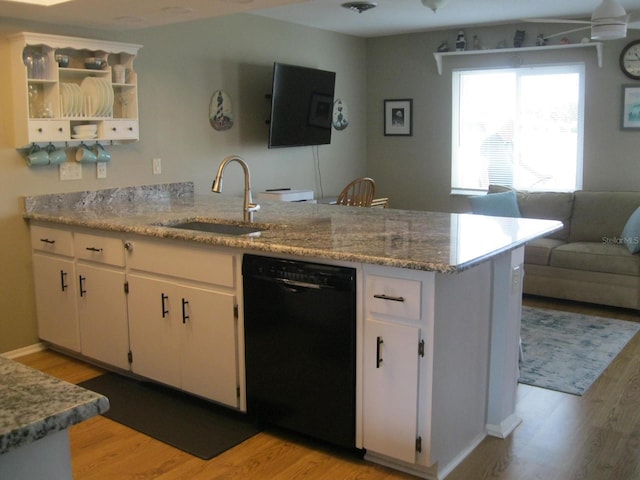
[
  {"x": 503, "y": 204},
  {"x": 596, "y": 257},
  {"x": 538, "y": 251},
  {"x": 631, "y": 232},
  {"x": 601, "y": 216},
  {"x": 545, "y": 205}
]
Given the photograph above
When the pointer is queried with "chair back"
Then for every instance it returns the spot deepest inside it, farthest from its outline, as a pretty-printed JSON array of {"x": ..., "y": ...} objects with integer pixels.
[{"x": 358, "y": 193}]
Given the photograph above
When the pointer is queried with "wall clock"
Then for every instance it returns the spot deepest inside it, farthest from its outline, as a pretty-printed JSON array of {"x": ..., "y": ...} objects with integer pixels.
[{"x": 630, "y": 60}]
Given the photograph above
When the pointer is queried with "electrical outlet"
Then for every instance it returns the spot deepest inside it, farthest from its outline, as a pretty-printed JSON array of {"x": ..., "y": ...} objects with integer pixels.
[
  {"x": 101, "y": 170},
  {"x": 70, "y": 171},
  {"x": 157, "y": 166}
]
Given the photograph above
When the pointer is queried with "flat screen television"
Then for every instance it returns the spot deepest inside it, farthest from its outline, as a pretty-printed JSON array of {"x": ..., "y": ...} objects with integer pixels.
[{"x": 301, "y": 106}]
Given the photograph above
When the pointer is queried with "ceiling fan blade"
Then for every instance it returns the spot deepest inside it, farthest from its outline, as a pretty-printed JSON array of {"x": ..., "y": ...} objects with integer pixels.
[
  {"x": 556, "y": 20},
  {"x": 560, "y": 34}
]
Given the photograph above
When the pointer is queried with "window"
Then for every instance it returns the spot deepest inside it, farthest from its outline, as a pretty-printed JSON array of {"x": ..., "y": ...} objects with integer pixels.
[{"x": 519, "y": 127}]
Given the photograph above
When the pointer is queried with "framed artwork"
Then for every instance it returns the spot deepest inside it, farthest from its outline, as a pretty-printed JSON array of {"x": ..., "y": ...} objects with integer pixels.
[
  {"x": 630, "y": 107},
  {"x": 398, "y": 115},
  {"x": 320, "y": 111}
]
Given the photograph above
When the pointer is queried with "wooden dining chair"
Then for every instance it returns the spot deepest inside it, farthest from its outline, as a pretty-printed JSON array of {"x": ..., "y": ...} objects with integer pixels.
[{"x": 358, "y": 193}]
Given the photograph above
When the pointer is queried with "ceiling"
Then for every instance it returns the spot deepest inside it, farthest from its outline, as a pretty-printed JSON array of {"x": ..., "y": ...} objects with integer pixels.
[{"x": 388, "y": 18}]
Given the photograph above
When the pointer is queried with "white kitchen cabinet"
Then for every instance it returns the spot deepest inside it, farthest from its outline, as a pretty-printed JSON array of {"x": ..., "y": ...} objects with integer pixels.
[
  {"x": 55, "y": 287},
  {"x": 397, "y": 367},
  {"x": 102, "y": 301},
  {"x": 56, "y": 301},
  {"x": 183, "y": 318},
  {"x": 184, "y": 336},
  {"x": 49, "y": 100},
  {"x": 80, "y": 293},
  {"x": 391, "y": 389}
]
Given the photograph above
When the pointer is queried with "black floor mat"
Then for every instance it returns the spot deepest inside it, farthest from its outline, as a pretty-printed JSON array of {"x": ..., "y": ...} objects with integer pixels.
[{"x": 183, "y": 421}]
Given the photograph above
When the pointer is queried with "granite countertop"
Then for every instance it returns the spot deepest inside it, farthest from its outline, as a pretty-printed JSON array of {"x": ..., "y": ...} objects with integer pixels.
[
  {"x": 430, "y": 241},
  {"x": 34, "y": 404}
]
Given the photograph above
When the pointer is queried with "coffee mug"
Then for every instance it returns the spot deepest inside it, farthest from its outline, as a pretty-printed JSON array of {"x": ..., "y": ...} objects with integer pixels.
[
  {"x": 56, "y": 155},
  {"x": 85, "y": 155},
  {"x": 37, "y": 156},
  {"x": 101, "y": 154}
]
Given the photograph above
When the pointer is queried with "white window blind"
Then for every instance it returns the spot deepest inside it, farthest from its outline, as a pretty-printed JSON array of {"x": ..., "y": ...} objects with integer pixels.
[{"x": 518, "y": 127}]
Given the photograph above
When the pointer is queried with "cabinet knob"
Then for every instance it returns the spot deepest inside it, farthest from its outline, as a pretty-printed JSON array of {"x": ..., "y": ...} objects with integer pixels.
[
  {"x": 128, "y": 246},
  {"x": 40, "y": 130}
]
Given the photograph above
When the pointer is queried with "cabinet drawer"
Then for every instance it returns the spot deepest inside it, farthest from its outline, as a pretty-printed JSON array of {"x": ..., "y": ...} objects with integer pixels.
[
  {"x": 118, "y": 130},
  {"x": 393, "y": 296},
  {"x": 48, "y": 131},
  {"x": 51, "y": 240},
  {"x": 192, "y": 262},
  {"x": 99, "y": 249}
]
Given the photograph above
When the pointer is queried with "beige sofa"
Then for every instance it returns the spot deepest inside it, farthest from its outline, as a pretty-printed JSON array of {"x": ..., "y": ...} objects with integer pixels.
[{"x": 589, "y": 260}]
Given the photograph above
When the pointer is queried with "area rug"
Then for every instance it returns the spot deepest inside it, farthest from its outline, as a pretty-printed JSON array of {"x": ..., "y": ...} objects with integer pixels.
[
  {"x": 567, "y": 352},
  {"x": 183, "y": 421}
]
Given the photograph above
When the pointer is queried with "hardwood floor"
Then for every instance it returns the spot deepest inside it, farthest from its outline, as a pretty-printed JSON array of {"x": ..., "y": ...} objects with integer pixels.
[{"x": 596, "y": 436}]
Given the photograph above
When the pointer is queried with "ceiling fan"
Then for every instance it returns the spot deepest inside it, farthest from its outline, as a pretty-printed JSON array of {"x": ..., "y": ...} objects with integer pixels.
[{"x": 609, "y": 21}]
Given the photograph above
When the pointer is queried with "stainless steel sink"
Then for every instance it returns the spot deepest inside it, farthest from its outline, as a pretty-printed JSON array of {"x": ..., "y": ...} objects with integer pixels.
[{"x": 220, "y": 228}]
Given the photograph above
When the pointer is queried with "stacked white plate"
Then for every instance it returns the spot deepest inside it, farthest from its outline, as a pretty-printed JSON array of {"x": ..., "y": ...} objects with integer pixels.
[
  {"x": 97, "y": 96},
  {"x": 71, "y": 98},
  {"x": 85, "y": 131}
]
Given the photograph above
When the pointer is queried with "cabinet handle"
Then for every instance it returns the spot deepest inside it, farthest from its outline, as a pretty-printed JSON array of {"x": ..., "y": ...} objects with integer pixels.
[
  {"x": 94, "y": 249},
  {"x": 382, "y": 296},
  {"x": 63, "y": 280},
  {"x": 379, "y": 343},
  {"x": 185, "y": 317},
  {"x": 164, "y": 297},
  {"x": 46, "y": 240},
  {"x": 82, "y": 290}
]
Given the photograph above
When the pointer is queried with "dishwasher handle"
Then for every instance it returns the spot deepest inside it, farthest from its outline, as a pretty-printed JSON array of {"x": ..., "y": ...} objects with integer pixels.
[{"x": 296, "y": 283}]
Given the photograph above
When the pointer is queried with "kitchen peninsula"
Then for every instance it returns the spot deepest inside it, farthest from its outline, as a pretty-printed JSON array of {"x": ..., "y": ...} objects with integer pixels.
[
  {"x": 36, "y": 412},
  {"x": 451, "y": 283}
]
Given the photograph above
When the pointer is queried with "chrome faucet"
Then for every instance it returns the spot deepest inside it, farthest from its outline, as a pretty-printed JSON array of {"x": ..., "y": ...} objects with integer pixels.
[{"x": 249, "y": 206}]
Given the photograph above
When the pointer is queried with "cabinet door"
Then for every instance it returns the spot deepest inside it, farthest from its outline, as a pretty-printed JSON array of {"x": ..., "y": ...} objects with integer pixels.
[
  {"x": 102, "y": 312},
  {"x": 208, "y": 351},
  {"x": 154, "y": 322},
  {"x": 390, "y": 413},
  {"x": 55, "y": 290}
]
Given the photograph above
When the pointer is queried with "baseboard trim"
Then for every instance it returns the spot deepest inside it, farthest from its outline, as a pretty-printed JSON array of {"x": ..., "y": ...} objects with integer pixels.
[
  {"x": 21, "y": 352},
  {"x": 428, "y": 473},
  {"x": 505, "y": 427},
  {"x": 458, "y": 459}
]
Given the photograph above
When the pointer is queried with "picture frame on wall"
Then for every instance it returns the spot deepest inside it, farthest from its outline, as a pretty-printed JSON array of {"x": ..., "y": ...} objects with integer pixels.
[
  {"x": 630, "y": 111},
  {"x": 398, "y": 117}
]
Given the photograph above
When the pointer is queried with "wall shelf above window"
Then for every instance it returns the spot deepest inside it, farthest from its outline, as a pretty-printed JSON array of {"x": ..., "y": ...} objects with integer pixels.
[{"x": 440, "y": 55}]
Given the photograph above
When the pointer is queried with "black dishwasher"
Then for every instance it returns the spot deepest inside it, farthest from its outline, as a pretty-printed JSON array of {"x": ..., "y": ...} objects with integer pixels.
[{"x": 300, "y": 346}]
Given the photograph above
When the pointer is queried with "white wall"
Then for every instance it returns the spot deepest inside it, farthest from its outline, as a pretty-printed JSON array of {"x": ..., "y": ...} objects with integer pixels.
[
  {"x": 179, "y": 67},
  {"x": 415, "y": 171}
]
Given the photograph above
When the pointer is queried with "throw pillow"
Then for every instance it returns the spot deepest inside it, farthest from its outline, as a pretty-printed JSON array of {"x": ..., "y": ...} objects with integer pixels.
[
  {"x": 631, "y": 232},
  {"x": 504, "y": 204}
]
